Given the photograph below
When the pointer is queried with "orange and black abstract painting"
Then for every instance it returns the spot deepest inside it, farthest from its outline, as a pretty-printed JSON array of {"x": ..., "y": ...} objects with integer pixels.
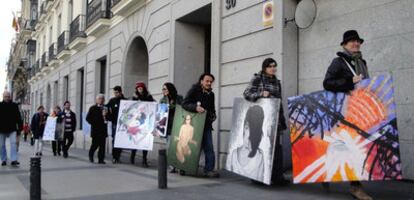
[{"x": 339, "y": 137}]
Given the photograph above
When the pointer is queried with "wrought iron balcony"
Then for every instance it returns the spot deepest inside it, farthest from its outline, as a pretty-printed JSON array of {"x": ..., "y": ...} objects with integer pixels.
[
  {"x": 45, "y": 59},
  {"x": 96, "y": 11},
  {"x": 30, "y": 25},
  {"x": 114, "y": 2},
  {"x": 43, "y": 7},
  {"x": 36, "y": 67},
  {"x": 52, "y": 52},
  {"x": 31, "y": 46},
  {"x": 63, "y": 41},
  {"x": 30, "y": 73},
  {"x": 77, "y": 28},
  {"x": 49, "y": 3}
]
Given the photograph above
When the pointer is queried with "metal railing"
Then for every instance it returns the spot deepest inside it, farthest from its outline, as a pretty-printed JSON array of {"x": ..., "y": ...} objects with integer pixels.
[
  {"x": 44, "y": 59},
  {"x": 114, "y": 2},
  {"x": 77, "y": 28},
  {"x": 52, "y": 51},
  {"x": 31, "y": 46},
  {"x": 43, "y": 8},
  {"x": 30, "y": 25},
  {"x": 36, "y": 67},
  {"x": 96, "y": 11},
  {"x": 63, "y": 41}
]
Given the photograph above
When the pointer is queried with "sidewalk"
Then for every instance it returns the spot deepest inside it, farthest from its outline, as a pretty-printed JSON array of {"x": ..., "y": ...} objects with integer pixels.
[{"x": 76, "y": 178}]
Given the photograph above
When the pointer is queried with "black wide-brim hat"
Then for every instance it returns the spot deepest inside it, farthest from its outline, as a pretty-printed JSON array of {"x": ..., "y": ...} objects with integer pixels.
[{"x": 351, "y": 35}]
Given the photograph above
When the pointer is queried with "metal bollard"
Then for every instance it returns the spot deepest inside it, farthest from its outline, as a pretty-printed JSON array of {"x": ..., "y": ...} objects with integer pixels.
[
  {"x": 35, "y": 178},
  {"x": 162, "y": 169}
]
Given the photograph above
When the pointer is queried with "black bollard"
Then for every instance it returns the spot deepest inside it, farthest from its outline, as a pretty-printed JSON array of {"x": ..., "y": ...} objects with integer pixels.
[
  {"x": 35, "y": 178},
  {"x": 162, "y": 169}
]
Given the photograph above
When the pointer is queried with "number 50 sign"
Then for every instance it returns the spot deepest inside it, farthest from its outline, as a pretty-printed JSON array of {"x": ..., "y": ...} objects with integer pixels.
[{"x": 230, "y": 4}]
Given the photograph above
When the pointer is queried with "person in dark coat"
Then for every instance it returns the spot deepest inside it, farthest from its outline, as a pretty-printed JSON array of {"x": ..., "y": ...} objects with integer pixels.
[
  {"x": 346, "y": 70},
  {"x": 141, "y": 94},
  {"x": 10, "y": 126},
  {"x": 113, "y": 106},
  {"x": 38, "y": 127},
  {"x": 96, "y": 117},
  {"x": 266, "y": 85},
  {"x": 200, "y": 98},
  {"x": 69, "y": 126},
  {"x": 172, "y": 98}
]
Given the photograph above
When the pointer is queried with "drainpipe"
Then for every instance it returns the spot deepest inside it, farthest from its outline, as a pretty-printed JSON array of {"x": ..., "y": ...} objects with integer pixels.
[{"x": 218, "y": 76}]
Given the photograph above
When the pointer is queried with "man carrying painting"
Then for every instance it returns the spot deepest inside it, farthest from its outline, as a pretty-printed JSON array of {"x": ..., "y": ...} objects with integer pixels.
[
  {"x": 113, "y": 106},
  {"x": 200, "y": 98},
  {"x": 346, "y": 70}
]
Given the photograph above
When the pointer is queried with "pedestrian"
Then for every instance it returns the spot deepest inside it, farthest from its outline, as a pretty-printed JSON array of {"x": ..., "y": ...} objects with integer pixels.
[
  {"x": 69, "y": 126},
  {"x": 96, "y": 117},
  {"x": 113, "y": 107},
  {"x": 200, "y": 99},
  {"x": 38, "y": 127},
  {"x": 57, "y": 144},
  {"x": 10, "y": 126},
  {"x": 265, "y": 84},
  {"x": 172, "y": 98},
  {"x": 26, "y": 131},
  {"x": 346, "y": 70},
  {"x": 141, "y": 94}
]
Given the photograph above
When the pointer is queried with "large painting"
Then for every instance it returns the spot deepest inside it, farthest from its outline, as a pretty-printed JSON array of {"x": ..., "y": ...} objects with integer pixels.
[
  {"x": 346, "y": 137},
  {"x": 136, "y": 123},
  {"x": 252, "y": 138},
  {"x": 161, "y": 120},
  {"x": 185, "y": 141},
  {"x": 50, "y": 129}
]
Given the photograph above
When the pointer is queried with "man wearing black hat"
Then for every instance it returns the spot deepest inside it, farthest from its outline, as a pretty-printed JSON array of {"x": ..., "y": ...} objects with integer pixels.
[
  {"x": 113, "y": 106},
  {"x": 346, "y": 70},
  {"x": 349, "y": 68}
]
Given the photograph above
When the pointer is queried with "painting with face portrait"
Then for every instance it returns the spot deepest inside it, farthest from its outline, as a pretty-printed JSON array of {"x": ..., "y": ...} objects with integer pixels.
[
  {"x": 136, "y": 124},
  {"x": 252, "y": 138},
  {"x": 185, "y": 141}
]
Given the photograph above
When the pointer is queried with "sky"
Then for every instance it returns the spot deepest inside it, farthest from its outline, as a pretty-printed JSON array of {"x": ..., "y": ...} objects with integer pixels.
[{"x": 6, "y": 35}]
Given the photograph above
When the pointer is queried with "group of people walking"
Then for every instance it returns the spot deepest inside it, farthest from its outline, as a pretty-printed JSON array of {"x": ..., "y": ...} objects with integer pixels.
[
  {"x": 346, "y": 70},
  {"x": 64, "y": 130},
  {"x": 200, "y": 99}
]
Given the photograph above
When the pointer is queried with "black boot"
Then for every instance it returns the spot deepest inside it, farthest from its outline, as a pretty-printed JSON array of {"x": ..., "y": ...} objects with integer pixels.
[
  {"x": 132, "y": 159},
  {"x": 145, "y": 163}
]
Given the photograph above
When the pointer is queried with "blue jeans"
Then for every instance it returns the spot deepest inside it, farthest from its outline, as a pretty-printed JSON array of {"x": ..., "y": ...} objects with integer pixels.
[
  {"x": 208, "y": 149},
  {"x": 13, "y": 145},
  {"x": 3, "y": 153}
]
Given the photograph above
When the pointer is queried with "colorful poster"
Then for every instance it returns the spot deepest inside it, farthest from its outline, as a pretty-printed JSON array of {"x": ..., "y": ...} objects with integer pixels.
[
  {"x": 185, "y": 141},
  {"x": 346, "y": 137},
  {"x": 136, "y": 122},
  {"x": 252, "y": 138},
  {"x": 50, "y": 128},
  {"x": 161, "y": 120}
]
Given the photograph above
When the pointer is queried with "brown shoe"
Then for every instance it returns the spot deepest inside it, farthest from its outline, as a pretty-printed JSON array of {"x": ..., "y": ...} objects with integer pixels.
[{"x": 358, "y": 193}]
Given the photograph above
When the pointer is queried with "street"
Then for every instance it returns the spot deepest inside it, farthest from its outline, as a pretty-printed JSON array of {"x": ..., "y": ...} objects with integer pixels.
[{"x": 77, "y": 178}]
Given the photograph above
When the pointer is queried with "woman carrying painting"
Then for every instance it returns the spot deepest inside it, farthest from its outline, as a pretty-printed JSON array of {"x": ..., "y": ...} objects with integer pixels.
[{"x": 266, "y": 85}]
